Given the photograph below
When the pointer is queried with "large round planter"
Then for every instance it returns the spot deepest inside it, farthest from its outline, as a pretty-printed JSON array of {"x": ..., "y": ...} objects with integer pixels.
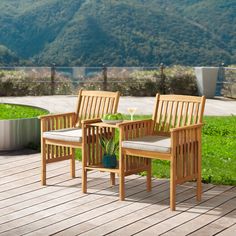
[{"x": 19, "y": 133}]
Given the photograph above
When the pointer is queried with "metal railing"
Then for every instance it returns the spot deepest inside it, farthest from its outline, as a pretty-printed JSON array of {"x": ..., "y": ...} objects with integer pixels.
[
  {"x": 74, "y": 77},
  {"x": 19, "y": 81}
]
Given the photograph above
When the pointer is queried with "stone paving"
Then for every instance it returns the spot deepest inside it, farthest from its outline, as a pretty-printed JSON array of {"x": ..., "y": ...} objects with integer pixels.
[{"x": 218, "y": 106}]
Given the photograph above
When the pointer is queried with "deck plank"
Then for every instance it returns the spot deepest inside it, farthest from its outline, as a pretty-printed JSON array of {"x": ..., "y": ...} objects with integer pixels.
[
  {"x": 195, "y": 223},
  {"x": 122, "y": 216},
  {"x": 228, "y": 231},
  {"x": 85, "y": 212},
  {"x": 213, "y": 198},
  {"x": 55, "y": 178},
  {"x": 27, "y": 208},
  {"x": 133, "y": 222},
  {"x": 72, "y": 207},
  {"x": 215, "y": 222}
]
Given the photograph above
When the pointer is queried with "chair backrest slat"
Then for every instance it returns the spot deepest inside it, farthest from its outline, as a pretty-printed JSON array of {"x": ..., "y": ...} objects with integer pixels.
[
  {"x": 94, "y": 104},
  {"x": 173, "y": 111}
]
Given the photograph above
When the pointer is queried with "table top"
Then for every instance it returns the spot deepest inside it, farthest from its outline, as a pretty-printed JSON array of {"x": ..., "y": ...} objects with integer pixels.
[{"x": 103, "y": 124}]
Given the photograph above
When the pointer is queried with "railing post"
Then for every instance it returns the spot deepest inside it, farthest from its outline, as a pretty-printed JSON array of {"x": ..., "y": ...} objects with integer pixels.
[
  {"x": 220, "y": 79},
  {"x": 53, "y": 73},
  {"x": 104, "y": 73},
  {"x": 162, "y": 81}
]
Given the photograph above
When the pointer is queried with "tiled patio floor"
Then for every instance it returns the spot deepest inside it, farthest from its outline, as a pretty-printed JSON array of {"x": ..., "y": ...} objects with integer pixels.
[{"x": 27, "y": 208}]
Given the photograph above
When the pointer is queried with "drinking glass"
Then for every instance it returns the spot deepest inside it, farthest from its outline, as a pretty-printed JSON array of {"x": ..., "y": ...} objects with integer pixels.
[{"x": 131, "y": 111}]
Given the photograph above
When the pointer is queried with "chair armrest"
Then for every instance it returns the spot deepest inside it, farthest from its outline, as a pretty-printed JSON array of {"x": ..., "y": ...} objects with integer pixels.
[
  {"x": 185, "y": 135},
  {"x": 90, "y": 121},
  {"x": 136, "y": 129},
  {"x": 57, "y": 121},
  {"x": 130, "y": 122},
  {"x": 55, "y": 115},
  {"x": 187, "y": 127}
]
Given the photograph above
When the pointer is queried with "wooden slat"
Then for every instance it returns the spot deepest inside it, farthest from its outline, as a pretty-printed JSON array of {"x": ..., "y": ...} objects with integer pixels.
[
  {"x": 174, "y": 115},
  {"x": 196, "y": 110},
  {"x": 180, "y": 112},
  {"x": 169, "y": 116},
  {"x": 185, "y": 114},
  {"x": 190, "y": 113},
  {"x": 89, "y": 108}
]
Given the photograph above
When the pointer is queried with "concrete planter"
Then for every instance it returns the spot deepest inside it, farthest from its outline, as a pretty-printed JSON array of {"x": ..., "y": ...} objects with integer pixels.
[
  {"x": 19, "y": 133},
  {"x": 206, "y": 80}
]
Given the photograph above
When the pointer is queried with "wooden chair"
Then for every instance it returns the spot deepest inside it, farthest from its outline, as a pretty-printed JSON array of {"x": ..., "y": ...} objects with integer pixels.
[
  {"x": 62, "y": 133},
  {"x": 174, "y": 134}
]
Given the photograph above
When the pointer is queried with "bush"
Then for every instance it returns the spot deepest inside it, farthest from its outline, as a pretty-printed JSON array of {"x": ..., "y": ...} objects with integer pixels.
[
  {"x": 181, "y": 80},
  {"x": 175, "y": 80},
  {"x": 229, "y": 87},
  {"x": 31, "y": 82},
  {"x": 129, "y": 81}
]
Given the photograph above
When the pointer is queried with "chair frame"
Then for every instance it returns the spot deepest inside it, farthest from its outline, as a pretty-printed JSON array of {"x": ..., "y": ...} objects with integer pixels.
[
  {"x": 93, "y": 153},
  {"x": 180, "y": 118},
  {"x": 91, "y": 106}
]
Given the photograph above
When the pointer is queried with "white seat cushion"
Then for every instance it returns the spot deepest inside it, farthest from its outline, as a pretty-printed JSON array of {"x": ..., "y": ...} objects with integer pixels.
[
  {"x": 149, "y": 143},
  {"x": 69, "y": 135}
]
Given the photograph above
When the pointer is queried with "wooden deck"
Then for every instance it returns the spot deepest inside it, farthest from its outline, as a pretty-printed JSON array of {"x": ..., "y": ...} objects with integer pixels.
[{"x": 27, "y": 208}]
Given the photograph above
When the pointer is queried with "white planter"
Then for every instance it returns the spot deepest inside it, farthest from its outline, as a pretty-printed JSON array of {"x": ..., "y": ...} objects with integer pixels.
[
  {"x": 19, "y": 133},
  {"x": 206, "y": 80}
]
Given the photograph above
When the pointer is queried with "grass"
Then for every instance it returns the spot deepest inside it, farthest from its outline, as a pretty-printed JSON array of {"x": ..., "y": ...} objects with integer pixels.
[
  {"x": 8, "y": 112},
  {"x": 218, "y": 151}
]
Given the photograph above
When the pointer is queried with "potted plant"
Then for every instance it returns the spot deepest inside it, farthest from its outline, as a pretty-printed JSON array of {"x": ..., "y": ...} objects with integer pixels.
[{"x": 109, "y": 147}]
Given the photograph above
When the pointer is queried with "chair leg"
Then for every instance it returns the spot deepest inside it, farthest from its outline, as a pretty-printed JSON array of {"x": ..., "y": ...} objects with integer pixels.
[
  {"x": 172, "y": 194},
  {"x": 84, "y": 181},
  {"x": 122, "y": 187},
  {"x": 122, "y": 179},
  {"x": 172, "y": 184},
  {"x": 199, "y": 182},
  {"x": 43, "y": 177},
  {"x": 112, "y": 179},
  {"x": 199, "y": 174},
  {"x": 149, "y": 175},
  {"x": 72, "y": 163},
  {"x": 43, "y": 162}
]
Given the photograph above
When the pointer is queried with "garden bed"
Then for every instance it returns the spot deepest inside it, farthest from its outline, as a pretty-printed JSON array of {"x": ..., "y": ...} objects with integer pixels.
[{"x": 19, "y": 126}]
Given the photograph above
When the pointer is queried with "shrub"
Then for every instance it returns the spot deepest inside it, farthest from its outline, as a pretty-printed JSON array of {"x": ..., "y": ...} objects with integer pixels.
[
  {"x": 175, "y": 80},
  {"x": 181, "y": 80},
  {"x": 31, "y": 82},
  {"x": 229, "y": 88},
  {"x": 129, "y": 81}
]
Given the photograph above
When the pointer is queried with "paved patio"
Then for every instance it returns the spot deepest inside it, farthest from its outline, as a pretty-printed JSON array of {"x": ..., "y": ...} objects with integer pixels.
[
  {"x": 214, "y": 107},
  {"x": 27, "y": 208}
]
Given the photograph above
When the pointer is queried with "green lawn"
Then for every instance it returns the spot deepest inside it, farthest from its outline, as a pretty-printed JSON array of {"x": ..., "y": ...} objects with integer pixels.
[
  {"x": 8, "y": 112},
  {"x": 218, "y": 151}
]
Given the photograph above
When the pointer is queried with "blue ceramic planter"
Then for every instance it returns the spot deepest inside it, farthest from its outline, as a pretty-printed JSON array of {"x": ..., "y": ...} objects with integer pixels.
[{"x": 109, "y": 161}]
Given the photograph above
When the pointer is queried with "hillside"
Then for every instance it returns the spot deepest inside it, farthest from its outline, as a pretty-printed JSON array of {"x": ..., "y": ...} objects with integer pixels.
[
  {"x": 120, "y": 32},
  {"x": 7, "y": 58}
]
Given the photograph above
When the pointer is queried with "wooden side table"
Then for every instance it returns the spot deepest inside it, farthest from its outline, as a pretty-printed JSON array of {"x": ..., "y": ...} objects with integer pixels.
[{"x": 93, "y": 153}]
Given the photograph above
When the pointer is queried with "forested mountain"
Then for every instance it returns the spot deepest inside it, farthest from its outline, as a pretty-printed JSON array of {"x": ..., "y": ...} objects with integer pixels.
[
  {"x": 120, "y": 32},
  {"x": 7, "y": 58}
]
